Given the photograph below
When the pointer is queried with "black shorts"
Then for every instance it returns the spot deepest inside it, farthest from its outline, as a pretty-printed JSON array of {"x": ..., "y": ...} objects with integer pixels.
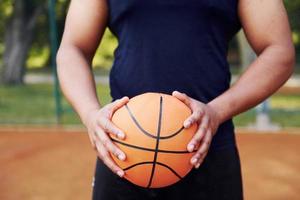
[{"x": 219, "y": 177}]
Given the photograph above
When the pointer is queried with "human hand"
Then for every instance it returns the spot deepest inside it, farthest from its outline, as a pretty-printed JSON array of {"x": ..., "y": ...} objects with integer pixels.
[
  {"x": 208, "y": 123},
  {"x": 99, "y": 125}
]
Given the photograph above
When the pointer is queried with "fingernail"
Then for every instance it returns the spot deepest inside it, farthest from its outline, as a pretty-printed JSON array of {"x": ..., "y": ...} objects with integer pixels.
[
  {"x": 191, "y": 147},
  {"x": 197, "y": 166},
  {"x": 121, "y": 135},
  {"x": 194, "y": 160},
  {"x": 121, "y": 156},
  {"x": 187, "y": 124},
  {"x": 120, "y": 173}
]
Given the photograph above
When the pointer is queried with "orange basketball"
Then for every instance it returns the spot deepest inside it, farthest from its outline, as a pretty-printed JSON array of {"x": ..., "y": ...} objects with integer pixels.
[{"x": 156, "y": 141}]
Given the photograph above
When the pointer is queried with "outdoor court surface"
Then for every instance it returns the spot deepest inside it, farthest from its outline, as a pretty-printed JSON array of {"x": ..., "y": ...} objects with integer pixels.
[{"x": 52, "y": 164}]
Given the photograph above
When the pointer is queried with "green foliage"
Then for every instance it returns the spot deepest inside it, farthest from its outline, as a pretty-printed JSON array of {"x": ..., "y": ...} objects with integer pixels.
[
  {"x": 39, "y": 53},
  {"x": 104, "y": 54},
  {"x": 38, "y": 56},
  {"x": 6, "y": 9},
  {"x": 293, "y": 8}
]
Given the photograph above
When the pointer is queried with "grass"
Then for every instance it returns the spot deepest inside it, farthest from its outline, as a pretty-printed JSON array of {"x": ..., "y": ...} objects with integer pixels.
[
  {"x": 26, "y": 104},
  {"x": 34, "y": 104}
]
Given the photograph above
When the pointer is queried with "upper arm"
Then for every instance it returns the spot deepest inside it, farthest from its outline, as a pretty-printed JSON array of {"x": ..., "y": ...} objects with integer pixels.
[
  {"x": 85, "y": 25},
  {"x": 265, "y": 23}
]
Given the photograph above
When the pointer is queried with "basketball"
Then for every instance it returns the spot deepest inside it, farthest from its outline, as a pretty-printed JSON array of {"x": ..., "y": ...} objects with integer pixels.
[{"x": 156, "y": 141}]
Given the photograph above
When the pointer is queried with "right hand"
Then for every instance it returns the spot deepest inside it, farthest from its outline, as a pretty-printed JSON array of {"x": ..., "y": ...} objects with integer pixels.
[{"x": 99, "y": 125}]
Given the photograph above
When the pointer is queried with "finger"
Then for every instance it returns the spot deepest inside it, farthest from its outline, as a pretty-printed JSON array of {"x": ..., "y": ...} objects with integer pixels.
[
  {"x": 109, "y": 127},
  {"x": 92, "y": 139},
  {"x": 109, "y": 145},
  {"x": 200, "y": 160},
  {"x": 182, "y": 97},
  {"x": 199, "y": 134},
  {"x": 202, "y": 151},
  {"x": 118, "y": 104},
  {"x": 193, "y": 118},
  {"x": 105, "y": 157},
  {"x": 205, "y": 143}
]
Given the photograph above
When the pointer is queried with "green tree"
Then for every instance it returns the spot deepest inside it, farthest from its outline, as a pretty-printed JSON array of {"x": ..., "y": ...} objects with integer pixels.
[
  {"x": 25, "y": 23},
  {"x": 293, "y": 8},
  {"x": 19, "y": 34}
]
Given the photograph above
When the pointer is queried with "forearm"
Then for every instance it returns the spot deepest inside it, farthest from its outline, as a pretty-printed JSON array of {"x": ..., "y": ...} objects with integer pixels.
[
  {"x": 263, "y": 77},
  {"x": 76, "y": 80}
]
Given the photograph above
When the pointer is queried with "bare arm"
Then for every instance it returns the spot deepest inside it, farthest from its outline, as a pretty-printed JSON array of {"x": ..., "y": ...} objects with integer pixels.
[
  {"x": 267, "y": 29},
  {"x": 85, "y": 25}
]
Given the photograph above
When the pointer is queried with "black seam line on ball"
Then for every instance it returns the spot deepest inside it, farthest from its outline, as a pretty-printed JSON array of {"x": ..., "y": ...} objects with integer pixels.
[
  {"x": 172, "y": 135},
  {"x": 146, "y": 132},
  {"x": 157, "y": 141},
  {"x": 148, "y": 149},
  {"x": 158, "y": 163}
]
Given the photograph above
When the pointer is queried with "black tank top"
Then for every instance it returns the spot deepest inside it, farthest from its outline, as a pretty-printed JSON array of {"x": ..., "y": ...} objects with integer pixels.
[{"x": 167, "y": 45}]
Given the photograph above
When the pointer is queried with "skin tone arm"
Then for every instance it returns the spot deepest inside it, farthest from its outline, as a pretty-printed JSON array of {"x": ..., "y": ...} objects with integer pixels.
[
  {"x": 85, "y": 25},
  {"x": 266, "y": 27}
]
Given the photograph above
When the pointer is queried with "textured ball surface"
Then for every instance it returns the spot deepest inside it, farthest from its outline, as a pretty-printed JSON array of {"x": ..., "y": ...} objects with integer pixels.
[{"x": 156, "y": 141}]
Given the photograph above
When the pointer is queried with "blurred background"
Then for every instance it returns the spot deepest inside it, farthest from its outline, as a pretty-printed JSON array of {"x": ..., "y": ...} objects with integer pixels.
[
  {"x": 31, "y": 105},
  {"x": 30, "y": 31}
]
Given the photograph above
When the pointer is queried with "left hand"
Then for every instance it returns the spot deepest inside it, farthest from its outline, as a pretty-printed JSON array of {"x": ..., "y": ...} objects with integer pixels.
[{"x": 208, "y": 122}]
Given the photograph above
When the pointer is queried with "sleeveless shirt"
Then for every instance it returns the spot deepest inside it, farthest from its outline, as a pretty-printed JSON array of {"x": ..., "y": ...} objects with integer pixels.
[{"x": 167, "y": 45}]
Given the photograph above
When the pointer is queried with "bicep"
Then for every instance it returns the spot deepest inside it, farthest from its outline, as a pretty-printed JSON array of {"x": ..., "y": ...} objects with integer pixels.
[
  {"x": 85, "y": 25},
  {"x": 265, "y": 23}
]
